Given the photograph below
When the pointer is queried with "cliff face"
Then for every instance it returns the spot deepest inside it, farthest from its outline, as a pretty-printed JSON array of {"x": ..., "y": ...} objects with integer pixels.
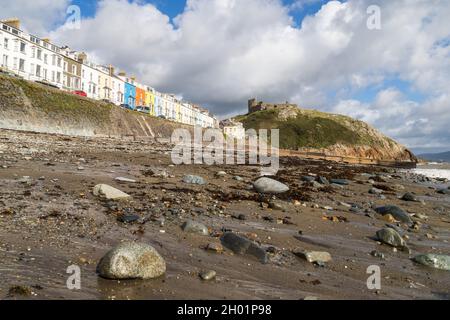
[
  {"x": 329, "y": 134},
  {"x": 34, "y": 107}
]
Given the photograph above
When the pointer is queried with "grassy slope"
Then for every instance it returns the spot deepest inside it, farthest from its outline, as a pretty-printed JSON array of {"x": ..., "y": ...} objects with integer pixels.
[{"x": 313, "y": 129}]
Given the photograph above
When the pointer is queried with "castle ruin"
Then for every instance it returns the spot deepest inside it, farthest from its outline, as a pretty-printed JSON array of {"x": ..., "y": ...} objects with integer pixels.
[{"x": 254, "y": 105}]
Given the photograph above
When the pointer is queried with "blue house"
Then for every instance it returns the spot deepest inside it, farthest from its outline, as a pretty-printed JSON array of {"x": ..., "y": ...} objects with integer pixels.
[{"x": 130, "y": 94}]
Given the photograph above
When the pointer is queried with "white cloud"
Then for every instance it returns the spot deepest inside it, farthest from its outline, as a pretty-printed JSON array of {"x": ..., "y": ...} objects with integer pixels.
[{"x": 39, "y": 16}]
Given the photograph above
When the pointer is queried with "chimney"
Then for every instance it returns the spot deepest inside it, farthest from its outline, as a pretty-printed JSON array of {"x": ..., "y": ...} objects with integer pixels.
[
  {"x": 122, "y": 74},
  {"x": 46, "y": 40},
  {"x": 111, "y": 70},
  {"x": 13, "y": 22},
  {"x": 82, "y": 57}
]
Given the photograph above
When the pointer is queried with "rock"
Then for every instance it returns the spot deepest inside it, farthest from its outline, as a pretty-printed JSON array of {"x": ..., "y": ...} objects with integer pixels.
[
  {"x": 316, "y": 185},
  {"x": 444, "y": 191},
  {"x": 20, "y": 291},
  {"x": 377, "y": 254},
  {"x": 221, "y": 174},
  {"x": 267, "y": 185},
  {"x": 238, "y": 178},
  {"x": 207, "y": 275},
  {"x": 323, "y": 180},
  {"x": 275, "y": 206},
  {"x": 388, "y": 218},
  {"x": 396, "y": 212},
  {"x": 437, "y": 261},
  {"x": 110, "y": 193},
  {"x": 156, "y": 172},
  {"x": 190, "y": 179},
  {"x": 398, "y": 187},
  {"x": 215, "y": 247},
  {"x": 80, "y": 168},
  {"x": 375, "y": 191},
  {"x": 124, "y": 180},
  {"x": 409, "y": 197},
  {"x": 390, "y": 237},
  {"x": 314, "y": 256},
  {"x": 308, "y": 178},
  {"x": 128, "y": 218},
  {"x": 195, "y": 227},
  {"x": 243, "y": 246},
  {"x": 342, "y": 182},
  {"x": 130, "y": 260}
]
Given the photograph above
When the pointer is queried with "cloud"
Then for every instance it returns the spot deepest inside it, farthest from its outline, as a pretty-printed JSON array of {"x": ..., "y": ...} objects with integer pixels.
[
  {"x": 219, "y": 53},
  {"x": 39, "y": 16}
]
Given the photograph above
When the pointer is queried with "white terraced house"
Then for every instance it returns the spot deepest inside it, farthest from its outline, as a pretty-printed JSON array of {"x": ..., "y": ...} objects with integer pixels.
[
  {"x": 36, "y": 59},
  {"x": 28, "y": 56}
]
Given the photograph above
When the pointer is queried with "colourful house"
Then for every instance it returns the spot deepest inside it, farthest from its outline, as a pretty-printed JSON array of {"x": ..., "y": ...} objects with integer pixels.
[
  {"x": 129, "y": 95},
  {"x": 150, "y": 100},
  {"x": 140, "y": 96}
]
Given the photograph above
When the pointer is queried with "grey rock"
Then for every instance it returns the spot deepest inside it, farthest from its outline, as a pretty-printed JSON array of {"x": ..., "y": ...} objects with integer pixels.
[
  {"x": 191, "y": 179},
  {"x": 110, "y": 193},
  {"x": 391, "y": 237},
  {"x": 375, "y": 191},
  {"x": 128, "y": 218},
  {"x": 437, "y": 261},
  {"x": 132, "y": 260},
  {"x": 323, "y": 180},
  {"x": 409, "y": 197},
  {"x": 243, "y": 246},
  {"x": 342, "y": 182},
  {"x": 275, "y": 206},
  {"x": 444, "y": 191},
  {"x": 195, "y": 227},
  {"x": 267, "y": 185},
  {"x": 125, "y": 180},
  {"x": 308, "y": 178},
  {"x": 396, "y": 212},
  {"x": 221, "y": 173},
  {"x": 238, "y": 178}
]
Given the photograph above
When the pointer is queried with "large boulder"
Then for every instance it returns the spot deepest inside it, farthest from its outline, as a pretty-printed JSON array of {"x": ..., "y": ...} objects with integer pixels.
[
  {"x": 195, "y": 227},
  {"x": 396, "y": 212},
  {"x": 267, "y": 185},
  {"x": 437, "y": 261},
  {"x": 391, "y": 237},
  {"x": 110, "y": 193},
  {"x": 130, "y": 260},
  {"x": 243, "y": 246}
]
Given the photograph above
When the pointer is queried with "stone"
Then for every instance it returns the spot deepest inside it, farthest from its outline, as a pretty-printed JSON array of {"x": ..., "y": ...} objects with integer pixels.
[
  {"x": 396, "y": 212},
  {"x": 391, "y": 237},
  {"x": 375, "y": 191},
  {"x": 195, "y": 227},
  {"x": 267, "y": 185},
  {"x": 308, "y": 178},
  {"x": 409, "y": 197},
  {"x": 275, "y": 206},
  {"x": 131, "y": 260},
  {"x": 388, "y": 218},
  {"x": 215, "y": 247},
  {"x": 128, "y": 218},
  {"x": 191, "y": 179},
  {"x": 342, "y": 182},
  {"x": 238, "y": 178},
  {"x": 243, "y": 246},
  {"x": 437, "y": 261},
  {"x": 110, "y": 193},
  {"x": 221, "y": 173},
  {"x": 444, "y": 191},
  {"x": 124, "y": 180},
  {"x": 314, "y": 256},
  {"x": 156, "y": 172},
  {"x": 323, "y": 180},
  {"x": 208, "y": 275}
]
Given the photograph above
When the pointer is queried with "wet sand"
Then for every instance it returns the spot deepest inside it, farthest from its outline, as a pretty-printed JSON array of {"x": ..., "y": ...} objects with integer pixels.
[{"x": 52, "y": 220}]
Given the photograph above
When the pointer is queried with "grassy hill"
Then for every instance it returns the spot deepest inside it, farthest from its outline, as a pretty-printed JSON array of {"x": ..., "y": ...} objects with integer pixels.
[{"x": 310, "y": 130}]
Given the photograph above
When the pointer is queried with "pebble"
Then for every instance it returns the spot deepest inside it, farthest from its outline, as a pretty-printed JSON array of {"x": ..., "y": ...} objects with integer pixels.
[
  {"x": 191, "y": 179},
  {"x": 314, "y": 256},
  {"x": 125, "y": 180},
  {"x": 110, "y": 193},
  {"x": 195, "y": 227},
  {"x": 208, "y": 275},
  {"x": 391, "y": 237}
]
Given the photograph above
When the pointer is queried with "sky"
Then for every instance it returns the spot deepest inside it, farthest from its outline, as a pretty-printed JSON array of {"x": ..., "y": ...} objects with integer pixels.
[{"x": 316, "y": 53}]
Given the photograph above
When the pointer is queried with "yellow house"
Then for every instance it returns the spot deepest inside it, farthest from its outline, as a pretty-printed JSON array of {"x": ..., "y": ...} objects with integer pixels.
[
  {"x": 150, "y": 100},
  {"x": 178, "y": 110}
]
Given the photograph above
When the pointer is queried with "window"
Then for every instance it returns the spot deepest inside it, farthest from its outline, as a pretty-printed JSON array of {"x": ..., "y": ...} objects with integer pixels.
[
  {"x": 59, "y": 62},
  {"x": 38, "y": 71},
  {"x": 5, "y": 60},
  {"x": 39, "y": 54},
  {"x": 58, "y": 77},
  {"x": 33, "y": 52},
  {"x": 22, "y": 47},
  {"x": 32, "y": 68},
  {"x": 53, "y": 76},
  {"x": 53, "y": 60},
  {"x": 46, "y": 58},
  {"x": 6, "y": 44},
  {"x": 45, "y": 74},
  {"x": 15, "y": 66},
  {"x": 22, "y": 65},
  {"x": 74, "y": 69}
]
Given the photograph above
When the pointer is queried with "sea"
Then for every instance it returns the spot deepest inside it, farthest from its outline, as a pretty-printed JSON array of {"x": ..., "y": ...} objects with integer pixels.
[{"x": 433, "y": 169}]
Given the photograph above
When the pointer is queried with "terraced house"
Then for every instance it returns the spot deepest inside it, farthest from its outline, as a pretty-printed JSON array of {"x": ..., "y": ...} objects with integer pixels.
[
  {"x": 36, "y": 59},
  {"x": 28, "y": 56}
]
